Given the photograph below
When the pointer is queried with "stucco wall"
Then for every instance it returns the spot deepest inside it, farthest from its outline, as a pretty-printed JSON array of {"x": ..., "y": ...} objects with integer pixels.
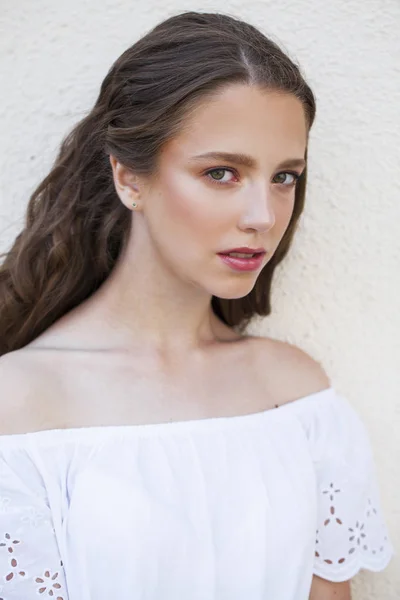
[{"x": 338, "y": 293}]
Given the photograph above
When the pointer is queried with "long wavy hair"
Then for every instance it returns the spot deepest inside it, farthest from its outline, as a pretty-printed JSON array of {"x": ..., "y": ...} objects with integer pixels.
[{"x": 75, "y": 224}]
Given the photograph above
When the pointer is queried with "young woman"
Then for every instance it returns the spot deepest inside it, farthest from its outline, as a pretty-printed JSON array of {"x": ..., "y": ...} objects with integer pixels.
[{"x": 151, "y": 449}]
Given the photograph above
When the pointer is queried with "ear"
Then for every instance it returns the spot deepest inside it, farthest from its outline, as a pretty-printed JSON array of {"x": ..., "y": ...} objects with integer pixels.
[{"x": 125, "y": 182}]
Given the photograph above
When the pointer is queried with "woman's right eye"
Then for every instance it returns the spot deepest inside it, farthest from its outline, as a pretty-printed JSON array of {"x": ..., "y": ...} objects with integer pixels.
[{"x": 219, "y": 171}]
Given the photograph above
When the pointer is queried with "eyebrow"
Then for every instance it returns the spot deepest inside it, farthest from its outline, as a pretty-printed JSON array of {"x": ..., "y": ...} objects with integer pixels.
[{"x": 246, "y": 160}]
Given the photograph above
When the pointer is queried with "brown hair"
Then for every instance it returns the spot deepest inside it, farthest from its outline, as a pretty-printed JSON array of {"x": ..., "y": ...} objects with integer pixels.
[{"x": 76, "y": 226}]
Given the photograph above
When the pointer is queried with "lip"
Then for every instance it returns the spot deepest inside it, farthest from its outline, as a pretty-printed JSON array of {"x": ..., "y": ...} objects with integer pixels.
[
  {"x": 244, "y": 249},
  {"x": 243, "y": 264}
]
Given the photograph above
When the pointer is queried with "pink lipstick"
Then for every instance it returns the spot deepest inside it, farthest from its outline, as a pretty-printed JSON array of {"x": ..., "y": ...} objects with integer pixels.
[{"x": 244, "y": 258}]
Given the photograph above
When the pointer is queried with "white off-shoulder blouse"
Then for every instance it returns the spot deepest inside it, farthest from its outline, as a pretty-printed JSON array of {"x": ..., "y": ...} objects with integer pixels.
[{"x": 227, "y": 508}]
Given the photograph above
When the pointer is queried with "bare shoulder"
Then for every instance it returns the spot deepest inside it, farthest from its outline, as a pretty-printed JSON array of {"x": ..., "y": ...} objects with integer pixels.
[
  {"x": 24, "y": 380},
  {"x": 292, "y": 372}
]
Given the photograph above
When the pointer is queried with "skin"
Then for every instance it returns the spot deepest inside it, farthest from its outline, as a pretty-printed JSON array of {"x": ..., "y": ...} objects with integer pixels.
[
  {"x": 185, "y": 218},
  {"x": 322, "y": 589},
  {"x": 149, "y": 332}
]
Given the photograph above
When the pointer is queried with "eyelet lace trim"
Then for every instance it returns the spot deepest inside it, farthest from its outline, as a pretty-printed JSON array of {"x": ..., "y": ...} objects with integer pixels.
[
  {"x": 365, "y": 536},
  {"x": 48, "y": 583}
]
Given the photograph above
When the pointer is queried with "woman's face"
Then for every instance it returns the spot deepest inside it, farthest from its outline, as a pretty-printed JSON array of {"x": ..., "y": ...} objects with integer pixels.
[{"x": 199, "y": 206}]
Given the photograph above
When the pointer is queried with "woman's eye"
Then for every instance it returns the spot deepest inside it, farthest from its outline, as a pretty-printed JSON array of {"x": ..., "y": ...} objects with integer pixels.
[
  {"x": 219, "y": 175},
  {"x": 294, "y": 177}
]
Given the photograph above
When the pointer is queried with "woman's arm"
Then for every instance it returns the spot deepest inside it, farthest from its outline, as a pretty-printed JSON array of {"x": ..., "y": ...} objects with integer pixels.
[
  {"x": 321, "y": 589},
  {"x": 30, "y": 559}
]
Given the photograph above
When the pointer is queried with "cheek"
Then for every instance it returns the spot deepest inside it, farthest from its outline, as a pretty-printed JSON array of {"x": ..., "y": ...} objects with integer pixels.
[
  {"x": 283, "y": 217},
  {"x": 284, "y": 206},
  {"x": 190, "y": 210}
]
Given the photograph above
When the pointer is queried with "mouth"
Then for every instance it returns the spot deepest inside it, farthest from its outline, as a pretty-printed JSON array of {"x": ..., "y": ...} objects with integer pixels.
[
  {"x": 243, "y": 261},
  {"x": 242, "y": 254}
]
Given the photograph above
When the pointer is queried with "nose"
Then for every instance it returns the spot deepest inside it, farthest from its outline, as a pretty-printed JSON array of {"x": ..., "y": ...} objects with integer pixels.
[{"x": 259, "y": 213}]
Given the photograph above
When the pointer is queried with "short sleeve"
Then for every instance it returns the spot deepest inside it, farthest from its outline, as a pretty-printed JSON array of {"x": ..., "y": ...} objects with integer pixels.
[
  {"x": 30, "y": 562},
  {"x": 351, "y": 531}
]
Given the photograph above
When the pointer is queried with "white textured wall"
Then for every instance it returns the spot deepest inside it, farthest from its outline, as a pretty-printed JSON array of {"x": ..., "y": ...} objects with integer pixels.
[{"x": 338, "y": 294}]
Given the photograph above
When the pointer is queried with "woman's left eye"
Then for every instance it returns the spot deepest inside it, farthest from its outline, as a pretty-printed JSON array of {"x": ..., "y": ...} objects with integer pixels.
[{"x": 295, "y": 177}]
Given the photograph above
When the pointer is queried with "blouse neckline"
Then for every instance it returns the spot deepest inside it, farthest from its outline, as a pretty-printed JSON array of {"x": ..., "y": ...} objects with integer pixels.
[{"x": 144, "y": 429}]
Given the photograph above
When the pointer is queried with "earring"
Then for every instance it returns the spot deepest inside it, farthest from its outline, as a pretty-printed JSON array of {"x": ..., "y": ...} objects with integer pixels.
[{"x": 135, "y": 187}]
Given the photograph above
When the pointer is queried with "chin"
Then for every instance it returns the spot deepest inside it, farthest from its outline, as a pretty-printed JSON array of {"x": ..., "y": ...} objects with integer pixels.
[{"x": 234, "y": 290}]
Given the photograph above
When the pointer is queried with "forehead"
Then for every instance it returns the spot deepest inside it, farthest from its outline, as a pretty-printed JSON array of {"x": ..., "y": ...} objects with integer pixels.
[{"x": 266, "y": 124}]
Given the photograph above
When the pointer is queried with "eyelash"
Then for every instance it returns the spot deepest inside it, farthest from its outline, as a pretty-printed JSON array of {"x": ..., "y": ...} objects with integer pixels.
[{"x": 290, "y": 185}]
